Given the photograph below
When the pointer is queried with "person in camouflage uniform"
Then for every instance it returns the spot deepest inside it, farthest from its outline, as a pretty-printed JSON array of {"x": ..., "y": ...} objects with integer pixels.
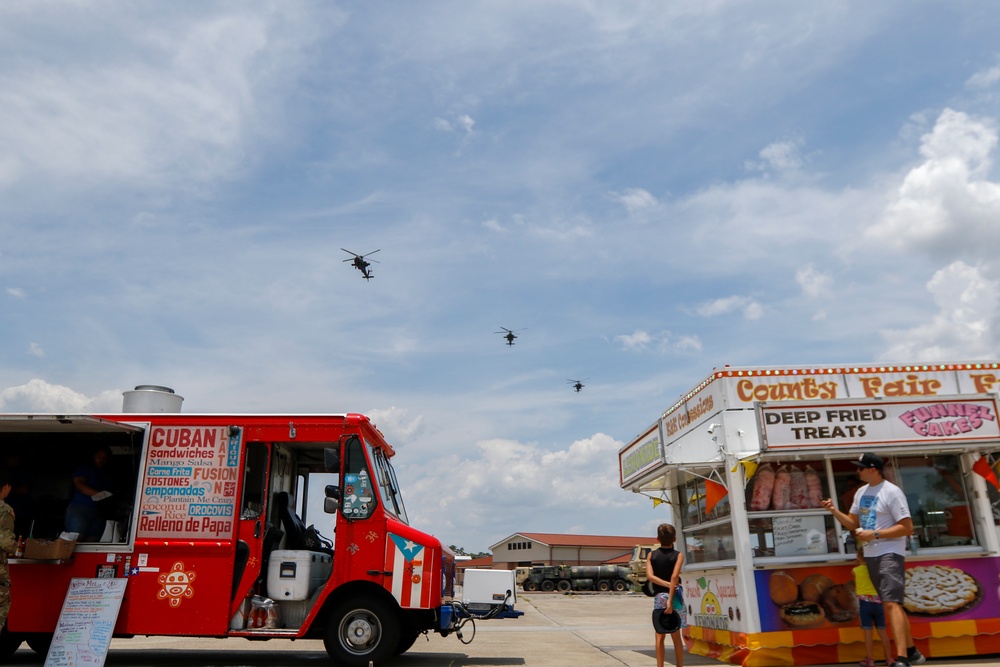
[{"x": 8, "y": 542}]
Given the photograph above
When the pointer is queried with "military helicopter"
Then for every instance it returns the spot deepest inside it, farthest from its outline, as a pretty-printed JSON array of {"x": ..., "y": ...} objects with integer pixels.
[
  {"x": 577, "y": 384},
  {"x": 360, "y": 263},
  {"x": 510, "y": 335}
]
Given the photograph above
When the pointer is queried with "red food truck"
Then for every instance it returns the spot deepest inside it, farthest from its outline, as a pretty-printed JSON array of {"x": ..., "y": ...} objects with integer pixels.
[
  {"x": 743, "y": 461},
  {"x": 207, "y": 520}
]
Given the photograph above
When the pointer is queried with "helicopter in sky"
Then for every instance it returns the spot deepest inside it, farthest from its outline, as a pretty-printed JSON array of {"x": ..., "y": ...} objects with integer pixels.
[
  {"x": 577, "y": 384},
  {"x": 361, "y": 264},
  {"x": 509, "y": 335}
]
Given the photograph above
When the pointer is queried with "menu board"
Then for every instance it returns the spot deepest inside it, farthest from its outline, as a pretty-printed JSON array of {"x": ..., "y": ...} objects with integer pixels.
[
  {"x": 86, "y": 623},
  {"x": 189, "y": 487},
  {"x": 799, "y": 535}
]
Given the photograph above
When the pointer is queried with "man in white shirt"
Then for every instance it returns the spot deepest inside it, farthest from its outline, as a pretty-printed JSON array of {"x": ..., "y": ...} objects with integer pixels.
[{"x": 879, "y": 517}]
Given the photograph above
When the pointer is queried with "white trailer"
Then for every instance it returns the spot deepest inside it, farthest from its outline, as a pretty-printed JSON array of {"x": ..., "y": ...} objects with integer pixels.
[{"x": 791, "y": 433}]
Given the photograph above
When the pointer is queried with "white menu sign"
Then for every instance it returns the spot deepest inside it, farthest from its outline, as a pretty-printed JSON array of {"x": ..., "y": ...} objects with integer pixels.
[{"x": 86, "y": 623}]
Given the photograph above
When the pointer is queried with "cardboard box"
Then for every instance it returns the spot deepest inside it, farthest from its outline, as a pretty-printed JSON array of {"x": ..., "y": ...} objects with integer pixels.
[{"x": 59, "y": 549}]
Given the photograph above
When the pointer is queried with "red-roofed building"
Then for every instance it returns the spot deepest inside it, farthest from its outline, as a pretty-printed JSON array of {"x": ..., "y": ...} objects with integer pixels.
[{"x": 525, "y": 549}]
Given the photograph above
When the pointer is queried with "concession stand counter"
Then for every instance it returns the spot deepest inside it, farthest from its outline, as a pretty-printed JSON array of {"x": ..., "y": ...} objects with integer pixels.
[{"x": 746, "y": 456}]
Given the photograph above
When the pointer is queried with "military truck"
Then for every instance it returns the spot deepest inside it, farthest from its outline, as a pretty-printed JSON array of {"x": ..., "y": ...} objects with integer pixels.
[
  {"x": 637, "y": 565},
  {"x": 577, "y": 578}
]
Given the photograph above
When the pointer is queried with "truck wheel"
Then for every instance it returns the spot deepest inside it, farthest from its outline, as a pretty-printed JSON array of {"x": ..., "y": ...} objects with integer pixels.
[
  {"x": 406, "y": 639},
  {"x": 9, "y": 643},
  {"x": 564, "y": 585},
  {"x": 548, "y": 585},
  {"x": 620, "y": 585},
  {"x": 529, "y": 585},
  {"x": 603, "y": 586},
  {"x": 362, "y": 632}
]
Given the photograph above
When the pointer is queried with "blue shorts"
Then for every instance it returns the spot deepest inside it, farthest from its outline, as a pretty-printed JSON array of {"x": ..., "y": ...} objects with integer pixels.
[
  {"x": 872, "y": 614},
  {"x": 660, "y": 602}
]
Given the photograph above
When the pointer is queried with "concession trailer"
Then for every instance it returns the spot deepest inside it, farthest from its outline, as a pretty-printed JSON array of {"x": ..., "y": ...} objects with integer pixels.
[{"x": 745, "y": 457}]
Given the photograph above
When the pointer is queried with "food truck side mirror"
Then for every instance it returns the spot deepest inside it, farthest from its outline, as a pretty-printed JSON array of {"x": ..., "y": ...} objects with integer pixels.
[
  {"x": 331, "y": 460},
  {"x": 332, "y": 501}
]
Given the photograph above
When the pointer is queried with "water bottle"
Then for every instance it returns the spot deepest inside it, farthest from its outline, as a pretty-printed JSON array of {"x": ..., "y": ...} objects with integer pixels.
[{"x": 914, "y": 544}]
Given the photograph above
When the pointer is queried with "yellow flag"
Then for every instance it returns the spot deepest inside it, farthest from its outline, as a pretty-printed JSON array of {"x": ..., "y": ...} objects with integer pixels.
[
  {"x": 749, "y": 468},
  {"x": 658, "y": 501}
]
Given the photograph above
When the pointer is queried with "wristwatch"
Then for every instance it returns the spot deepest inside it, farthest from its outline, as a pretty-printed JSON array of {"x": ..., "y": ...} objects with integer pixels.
[{"x": 876, "y": 534}]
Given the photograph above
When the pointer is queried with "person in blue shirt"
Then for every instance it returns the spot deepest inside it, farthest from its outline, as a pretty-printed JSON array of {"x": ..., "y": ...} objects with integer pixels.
[{"x": 91, "y": 483}]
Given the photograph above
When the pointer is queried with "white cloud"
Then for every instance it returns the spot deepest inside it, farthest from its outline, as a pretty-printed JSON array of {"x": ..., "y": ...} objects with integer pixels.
[
  {"x": 167, "y": 99},
  {"x": 396, "y": 425},
  {"x": 780, "y": 157},
  {"x": 495, "y": 226},
  {"x": 36, "y": 350},
  {"x": 637, "y": 202},
  {"x": 16, "y": 292},
  {"x": 517, "y": 486},
  {"x": 946, "y": 206},
  {"x": 750, "y": 308},
  {"x": 638, "y": 340},
  {"x": 463, "y": 122},
  {"x": 664, "y": 341},
  {"x": 814, "y": 284},
  {"x": 40, "y": 396},
  {"x": 466, "y": 123},
  {"x": 964, "y": 326},
  {"x": 984, "y": 78}
]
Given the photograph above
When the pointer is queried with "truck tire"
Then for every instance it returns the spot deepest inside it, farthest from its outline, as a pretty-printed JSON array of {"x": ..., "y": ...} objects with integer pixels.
[
  {"x": 621, "y": 585},
  {"x": 406, "y": 640},
  {"x": 565, "y": 585},
  {"x": 604, "y": 586},
  {"x": 548, "y": 585},
  {"x": 361, "y": 632},
  {"x": 529, "y": 585}
]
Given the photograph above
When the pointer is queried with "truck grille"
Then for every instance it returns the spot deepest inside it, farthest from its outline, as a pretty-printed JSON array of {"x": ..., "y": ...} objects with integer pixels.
[{"x": 447, "y": 575}]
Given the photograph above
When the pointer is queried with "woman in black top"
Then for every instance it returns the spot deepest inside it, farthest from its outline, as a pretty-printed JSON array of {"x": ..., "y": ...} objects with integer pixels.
[{"x": 663, "y": 570}]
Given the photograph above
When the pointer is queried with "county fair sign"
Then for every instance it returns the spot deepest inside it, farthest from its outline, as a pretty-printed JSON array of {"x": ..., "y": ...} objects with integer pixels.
[{"x": 809, "y": 424}]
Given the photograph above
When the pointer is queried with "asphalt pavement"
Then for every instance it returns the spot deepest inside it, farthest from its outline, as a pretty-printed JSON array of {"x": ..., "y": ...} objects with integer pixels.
[{"x": 574, "y": 630}]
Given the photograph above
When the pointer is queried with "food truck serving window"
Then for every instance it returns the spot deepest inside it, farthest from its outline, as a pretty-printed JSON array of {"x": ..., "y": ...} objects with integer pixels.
[
  {"x": 705, "y": 512},
  {"x": 787, "y": 519},
  {"x": 44, "y": 453},
  {"x": 936, "y": 493}
]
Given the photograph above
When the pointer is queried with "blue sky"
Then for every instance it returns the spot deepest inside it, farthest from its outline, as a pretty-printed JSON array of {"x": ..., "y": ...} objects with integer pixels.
[{"x": 646, "y": 190}]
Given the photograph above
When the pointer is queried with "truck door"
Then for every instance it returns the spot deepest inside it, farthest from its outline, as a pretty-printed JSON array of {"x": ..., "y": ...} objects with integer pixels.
[{"x": 256, "y": 537}]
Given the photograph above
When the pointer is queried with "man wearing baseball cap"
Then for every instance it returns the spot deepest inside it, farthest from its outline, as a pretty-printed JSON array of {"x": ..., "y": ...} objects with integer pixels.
[{"x": 879, "y": 517}]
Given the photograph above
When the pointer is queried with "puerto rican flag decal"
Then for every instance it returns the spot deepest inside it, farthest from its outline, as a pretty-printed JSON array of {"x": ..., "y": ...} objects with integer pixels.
[{"x": 410, "y": 572}]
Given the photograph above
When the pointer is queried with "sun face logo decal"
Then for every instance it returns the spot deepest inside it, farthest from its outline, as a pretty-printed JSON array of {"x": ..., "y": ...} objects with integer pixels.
[{"x": 176, "y": 585}]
